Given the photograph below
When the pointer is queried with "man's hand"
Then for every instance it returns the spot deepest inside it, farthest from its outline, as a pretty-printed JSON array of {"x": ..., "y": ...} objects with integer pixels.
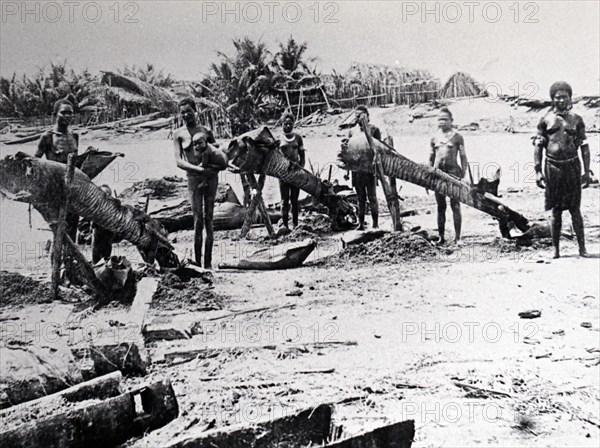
[
  {"x": 539, "y": 180},
  {"x": 585, "y": 180}
]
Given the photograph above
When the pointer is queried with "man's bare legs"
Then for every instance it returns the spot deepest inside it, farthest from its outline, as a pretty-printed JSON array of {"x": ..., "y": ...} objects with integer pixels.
[
  {"x": 457, "y": 216},
  {"x": 441, "y": 216},
  {"x": 555, "y": 228},
  {"x": 577, "y": 221}
]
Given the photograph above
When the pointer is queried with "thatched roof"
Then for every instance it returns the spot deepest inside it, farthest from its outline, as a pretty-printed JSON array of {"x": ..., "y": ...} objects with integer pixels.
[
  {"x": 390, "y": 74},
  {"x": 462, "y": 85},
  {"x": 137, "y": 91}
]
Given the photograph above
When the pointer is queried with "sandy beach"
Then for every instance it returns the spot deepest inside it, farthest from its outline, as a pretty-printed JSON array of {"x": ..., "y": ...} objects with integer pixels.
[{"x": 397, "y": 337}]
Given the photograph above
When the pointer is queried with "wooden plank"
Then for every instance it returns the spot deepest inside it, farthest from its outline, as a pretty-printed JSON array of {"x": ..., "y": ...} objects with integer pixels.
[
  {"x": 98, "y": 388},
  {"x": 307, "y": 428},
  {"x": 136, "y": 316},
  {"x": 60, "y": 228},
  {"x": 262, "y": 208},
  {"x": 98, "y": 425},
  {"x": 398, "y": 435}
]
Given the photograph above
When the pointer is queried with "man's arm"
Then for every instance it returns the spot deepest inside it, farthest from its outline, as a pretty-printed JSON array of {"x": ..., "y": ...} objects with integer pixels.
[
  {"x": 301, "y": 151},
  {"x": 181, "y": 163},
  {"x": 42, "y": 146},
  {"x": 463, "y": 156},
  {"x": 585, "y": 152},
  {"x": 432, "y": 153},
  {"x": 539, "y": 142}
]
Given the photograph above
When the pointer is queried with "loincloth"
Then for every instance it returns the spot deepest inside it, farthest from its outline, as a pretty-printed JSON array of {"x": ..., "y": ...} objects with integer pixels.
[{"x": 563, "y": 183}]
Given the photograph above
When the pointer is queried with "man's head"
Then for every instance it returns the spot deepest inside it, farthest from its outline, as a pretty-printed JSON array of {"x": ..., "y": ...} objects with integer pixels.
[
  {"x": 561, "y": 94},
  {"x": 445, "y": 119},
  {"x": 187, "y": 109},
  {"x": 288, "y": 123},
  {"x": 361, "y": 111},
  {"x": 63, "y": 111}
]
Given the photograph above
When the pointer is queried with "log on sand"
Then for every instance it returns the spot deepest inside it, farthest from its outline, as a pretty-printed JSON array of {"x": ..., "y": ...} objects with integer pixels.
[
  {"x": 99, "y": 425},
  {"x": 397, "y": 435},
  {"x": 396, "y": 165},
  {"x": 41, "y": 183},
  {"x": 307, "y": 428},
  {"x": 98, "y": 388}
]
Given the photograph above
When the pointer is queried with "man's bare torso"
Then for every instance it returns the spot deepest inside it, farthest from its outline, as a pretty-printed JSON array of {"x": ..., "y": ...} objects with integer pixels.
[
  {"x": 447, "y": 147},
  {"x": 564, "y": 134}
]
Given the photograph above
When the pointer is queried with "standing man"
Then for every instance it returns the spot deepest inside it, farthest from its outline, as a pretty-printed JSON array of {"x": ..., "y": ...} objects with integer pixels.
[
  {"x": 202, "y": 161},
  {"x": 365, "y": 183},
  {"x": 56, "y": 144},
  {"x": 446, "y": 146},
  {"x": 292, "y": 147},
  {"x": 562, "y": 133}
]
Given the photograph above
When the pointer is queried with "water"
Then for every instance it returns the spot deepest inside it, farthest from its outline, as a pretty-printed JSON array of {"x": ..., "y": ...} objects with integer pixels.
[{"x": 512, "y": 153}]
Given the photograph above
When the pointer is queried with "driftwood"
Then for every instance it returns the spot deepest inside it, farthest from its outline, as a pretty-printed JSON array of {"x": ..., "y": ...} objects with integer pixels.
[
  {"x": 427, "y": 177},
  {"x": 307, "y": 428},
  {"x": 180, "y": 356},
  {"x": 264, "y": 260},
  {"x": 59, "y": 229},
  {"x": 397, "y": 435},
  {"x": 98, "y": 388},
  {"x": 99, "y": 425},
  {"x": 31, "y": 372},
  {"x": 41, "y": 183}
]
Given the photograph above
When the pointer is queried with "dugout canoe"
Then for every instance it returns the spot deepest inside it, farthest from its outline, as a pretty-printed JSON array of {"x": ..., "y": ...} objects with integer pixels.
[{"x": 283, "y": 256}]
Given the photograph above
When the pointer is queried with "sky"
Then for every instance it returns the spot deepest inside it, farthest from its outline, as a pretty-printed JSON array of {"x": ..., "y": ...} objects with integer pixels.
[{"x": 512, "y": 47}]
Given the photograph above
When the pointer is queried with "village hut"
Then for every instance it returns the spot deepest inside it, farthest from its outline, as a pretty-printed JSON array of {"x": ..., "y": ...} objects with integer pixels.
[
  {"x": 125, "y": 96},
  {"x": 461, "y": 85},
  {"x": 378, "y": 85}
]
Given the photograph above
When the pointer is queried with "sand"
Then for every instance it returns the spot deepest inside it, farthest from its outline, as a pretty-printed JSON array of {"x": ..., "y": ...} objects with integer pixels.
[{"x": 424, "y": 319}]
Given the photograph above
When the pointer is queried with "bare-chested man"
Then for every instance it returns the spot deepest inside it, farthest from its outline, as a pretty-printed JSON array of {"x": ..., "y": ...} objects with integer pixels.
[
  {"x": 202, "y": 161},
  {"x": 562, "y": 133},
  {"x": 446, "y": 146},
  {"x": 57, "y": 143},
  {"x": 364, "y": 183},
  {"x": 292, "y": 147}
]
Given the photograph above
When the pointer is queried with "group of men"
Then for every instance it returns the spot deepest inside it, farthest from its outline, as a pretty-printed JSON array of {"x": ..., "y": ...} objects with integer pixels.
[{"x": 560, "y": 136}]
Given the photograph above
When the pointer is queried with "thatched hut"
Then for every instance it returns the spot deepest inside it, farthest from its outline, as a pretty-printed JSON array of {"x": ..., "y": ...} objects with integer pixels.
[
  {"x": 461, "y": 85},
  {"x": 377, "y": 84},
  {"x": 210, "y": 113},
  {"x": 125, "y": 95}
]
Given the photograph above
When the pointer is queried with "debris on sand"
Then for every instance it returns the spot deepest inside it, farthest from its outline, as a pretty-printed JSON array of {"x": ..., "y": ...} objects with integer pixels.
[
  {"x": 17, "y": 289},
  {"x": 391, "y": 248},
  {"x": 192, "y": 294},
  {"x": 164, "y": 187},
  {"x": 530, "y": 314}
]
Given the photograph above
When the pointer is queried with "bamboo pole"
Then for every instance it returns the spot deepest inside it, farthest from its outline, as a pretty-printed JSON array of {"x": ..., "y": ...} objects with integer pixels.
[
  {"x": 249, "y": 219},
  {"x": 60, "y": 228},
  {"x": 390, "y": 196},
  {"x": 261, "y": 205}
]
